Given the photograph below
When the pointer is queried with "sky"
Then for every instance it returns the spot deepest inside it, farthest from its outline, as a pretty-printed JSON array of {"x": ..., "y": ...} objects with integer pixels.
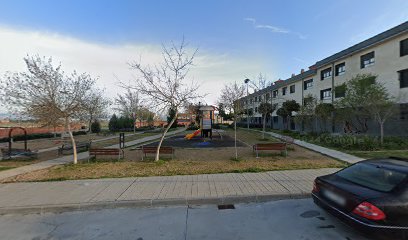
[{"x": 236, "y": 39}]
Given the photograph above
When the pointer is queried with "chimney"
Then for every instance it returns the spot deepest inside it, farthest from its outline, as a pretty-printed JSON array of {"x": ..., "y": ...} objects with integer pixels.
[
  {"x": 293, "y": 74},
  {"x": 302, "y": 70},
  {"x": 312, "y": 67},
  {"x": 278, "y": 81}
]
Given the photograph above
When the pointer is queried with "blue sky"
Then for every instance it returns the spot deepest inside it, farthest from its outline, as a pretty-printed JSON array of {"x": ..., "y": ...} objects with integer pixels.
[{"x": 274, "y": 37}]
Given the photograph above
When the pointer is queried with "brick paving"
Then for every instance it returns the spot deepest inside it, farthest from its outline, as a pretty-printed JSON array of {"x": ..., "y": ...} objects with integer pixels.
[{"x": 149, "y": 191}]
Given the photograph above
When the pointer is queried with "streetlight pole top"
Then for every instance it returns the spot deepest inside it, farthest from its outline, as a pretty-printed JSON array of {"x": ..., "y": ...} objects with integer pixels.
[{"x": 246, "y": 80}]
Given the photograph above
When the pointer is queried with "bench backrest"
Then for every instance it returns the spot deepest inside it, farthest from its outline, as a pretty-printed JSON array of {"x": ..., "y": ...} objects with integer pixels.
[
  {"x": 163, "y": 149},
  {"x": 104, "y": 151},
  {"x": 270, "y": 146}
]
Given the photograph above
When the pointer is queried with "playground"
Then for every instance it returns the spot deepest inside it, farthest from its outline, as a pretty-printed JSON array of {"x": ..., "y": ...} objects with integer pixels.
[
  {"x": 202, "y": 151},
  {"x": 220, "y": 139}
]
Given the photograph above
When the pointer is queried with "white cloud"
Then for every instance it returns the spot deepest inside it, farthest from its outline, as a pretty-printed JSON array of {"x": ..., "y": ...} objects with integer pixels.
[
  {"x": 105, "y": 61},
  {"x": 273, "y": 29}
]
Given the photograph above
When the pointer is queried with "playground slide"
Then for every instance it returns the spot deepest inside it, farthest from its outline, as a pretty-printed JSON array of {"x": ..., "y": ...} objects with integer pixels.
[{"x": 191, "y": 135}]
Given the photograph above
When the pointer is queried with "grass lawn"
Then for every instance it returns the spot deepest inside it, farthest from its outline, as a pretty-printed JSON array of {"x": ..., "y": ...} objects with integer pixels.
[
  {"x": 188, "y": 161},
  {"x": 9, "y": 164},
  {"x": 380, "y": 154}
]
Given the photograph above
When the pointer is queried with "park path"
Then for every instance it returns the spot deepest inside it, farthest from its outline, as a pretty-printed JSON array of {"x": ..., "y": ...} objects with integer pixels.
[
  {"x": 316, "y": 148},
  {"x": 94, "y": 141},
  {"x": 154, "y": 191},
  {"x": 81, "y": 156}
]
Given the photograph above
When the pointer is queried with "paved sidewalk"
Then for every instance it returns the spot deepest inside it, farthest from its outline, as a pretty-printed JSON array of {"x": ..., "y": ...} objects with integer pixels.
[
  {"x": 67, "y": 159},
  {"x": 325, "y": 151},
  {"x": 152, "y": 191}
]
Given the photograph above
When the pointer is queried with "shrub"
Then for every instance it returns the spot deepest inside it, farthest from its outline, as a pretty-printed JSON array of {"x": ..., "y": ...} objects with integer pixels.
[{"x": 96, "y": 127}]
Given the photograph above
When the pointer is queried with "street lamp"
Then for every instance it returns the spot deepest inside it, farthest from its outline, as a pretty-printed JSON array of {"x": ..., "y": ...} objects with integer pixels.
[{"x": 246, "y": 82}]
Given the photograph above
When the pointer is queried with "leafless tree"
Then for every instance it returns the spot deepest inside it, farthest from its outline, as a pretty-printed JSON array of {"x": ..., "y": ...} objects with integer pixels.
[
  {"x": 230, "y": 95},
  {"x": 128, "y": 104},
  {"x": 96, "y": 105},
  {"x": 260, "y": 84},
  {"x": 164, "y": 84},
  {"x": 45, "y": 93}
]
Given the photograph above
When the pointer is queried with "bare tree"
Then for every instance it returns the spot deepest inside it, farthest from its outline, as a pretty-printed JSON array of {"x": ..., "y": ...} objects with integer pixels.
[
  {"x": 95, "y": 106},
  {"x": 46, "y": 92},
  {"x": 164, "y": 84},
  {"x": 128, "y": 105},
  {"x": 261, "y": 83},
  {"x": 229, "y": 97}
]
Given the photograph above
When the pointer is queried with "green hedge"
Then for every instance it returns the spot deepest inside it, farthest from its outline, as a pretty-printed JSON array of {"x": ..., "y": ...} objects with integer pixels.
[{"x": 350, "y": 142}]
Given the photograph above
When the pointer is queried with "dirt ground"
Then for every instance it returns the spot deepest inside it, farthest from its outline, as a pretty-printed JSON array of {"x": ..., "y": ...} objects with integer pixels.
[{"x": 188, "y": 161}]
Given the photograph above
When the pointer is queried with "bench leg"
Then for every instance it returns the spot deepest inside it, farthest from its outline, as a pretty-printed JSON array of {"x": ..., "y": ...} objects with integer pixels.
[{"x": 257, "y": 155}]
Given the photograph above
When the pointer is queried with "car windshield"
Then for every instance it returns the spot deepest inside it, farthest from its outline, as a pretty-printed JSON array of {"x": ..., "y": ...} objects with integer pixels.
[{"x": 373, "y": 176}]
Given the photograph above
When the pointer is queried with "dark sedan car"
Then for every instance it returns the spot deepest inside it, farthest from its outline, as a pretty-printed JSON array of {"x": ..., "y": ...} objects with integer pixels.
[{"x": 371, "y": 195}]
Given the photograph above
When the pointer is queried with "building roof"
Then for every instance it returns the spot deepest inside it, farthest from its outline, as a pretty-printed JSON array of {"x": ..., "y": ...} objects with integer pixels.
[
  {"x": 355, "y": 48},
  {"x": 365, "y": 44}
]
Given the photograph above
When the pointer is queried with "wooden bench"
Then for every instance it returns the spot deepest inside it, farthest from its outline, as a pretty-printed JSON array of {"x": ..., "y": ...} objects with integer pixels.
[
  {"x": 106, "y": 152},
  {"x": 163, "y": 150},
  {"x": 279, "y": 146},
  {"x": 16, "y": 152},
  {"x": 81, "y": 146}
]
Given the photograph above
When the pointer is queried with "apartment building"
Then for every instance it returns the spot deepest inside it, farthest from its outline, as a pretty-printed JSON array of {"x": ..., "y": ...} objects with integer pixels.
[{"x": 384, "y": 55}]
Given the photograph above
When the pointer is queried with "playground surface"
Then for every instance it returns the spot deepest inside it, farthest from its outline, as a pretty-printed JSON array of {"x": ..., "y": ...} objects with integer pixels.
[{"x": 217, "y": 141}]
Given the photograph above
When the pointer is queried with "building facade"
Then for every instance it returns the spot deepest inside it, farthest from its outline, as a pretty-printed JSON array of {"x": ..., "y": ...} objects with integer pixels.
[{"x": 384, "y": 55}]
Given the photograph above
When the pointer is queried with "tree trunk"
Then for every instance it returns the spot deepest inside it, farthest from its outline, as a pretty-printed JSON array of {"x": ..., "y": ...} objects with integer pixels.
[
  {"x": 163, "y": 135},
  {"x": 382, "y": 132},
  {"x": 89, "y": 126},
  {"x": 134, "y": 125},
  {"x": 55, "y": 131},
  {"x": 235, "y": 138},
  {"x": 263, "y": 128},
  {"x": 74, "y": 150}
]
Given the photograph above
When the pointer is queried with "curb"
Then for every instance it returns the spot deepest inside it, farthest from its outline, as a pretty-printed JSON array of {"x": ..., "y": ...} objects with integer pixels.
[{"x": 147, "y": 203}]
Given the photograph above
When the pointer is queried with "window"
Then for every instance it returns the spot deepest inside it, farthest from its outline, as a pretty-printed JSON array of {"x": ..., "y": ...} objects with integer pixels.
[
  {"x": 275, "y": 119},
  {"x": 292, "y": 89},
  {"x": 256, "y": 109},
  {"x": 260, "y": 98},
  {"x": 251, "y": 100},
  {"x": 275, "y": 93},
  {"x": 373, "y": 176},
  {"x": 404, "y": 47},
  {"x": 284, "y": 90},
  {"x": 308, "y": 84},
  {"x": 256, "y": 99},
  {"x": 404, "y": 111},
  {"x": 367, "y": 60},
  {"x": 340, "y": 69},
  {"x": 325, "y": 94},
  {"x": 268, "y": 96},
  {"x": 403, "y": 78},
  {"x": 340, "y": 91},
  {"x": 326, "y": 73}
]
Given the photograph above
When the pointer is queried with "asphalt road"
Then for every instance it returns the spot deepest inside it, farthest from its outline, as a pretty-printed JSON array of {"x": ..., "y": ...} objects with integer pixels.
[{"x": 281, "y": 220}]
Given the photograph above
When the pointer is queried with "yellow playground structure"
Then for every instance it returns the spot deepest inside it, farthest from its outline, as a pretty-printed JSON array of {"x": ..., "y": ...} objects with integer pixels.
[
  {"x": 206, "y": 114},
  {"x": 191, "y": 135}
]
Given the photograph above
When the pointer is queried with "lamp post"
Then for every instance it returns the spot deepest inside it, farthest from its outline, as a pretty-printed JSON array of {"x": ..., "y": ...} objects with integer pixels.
[{"x": 246, "y": 82}]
